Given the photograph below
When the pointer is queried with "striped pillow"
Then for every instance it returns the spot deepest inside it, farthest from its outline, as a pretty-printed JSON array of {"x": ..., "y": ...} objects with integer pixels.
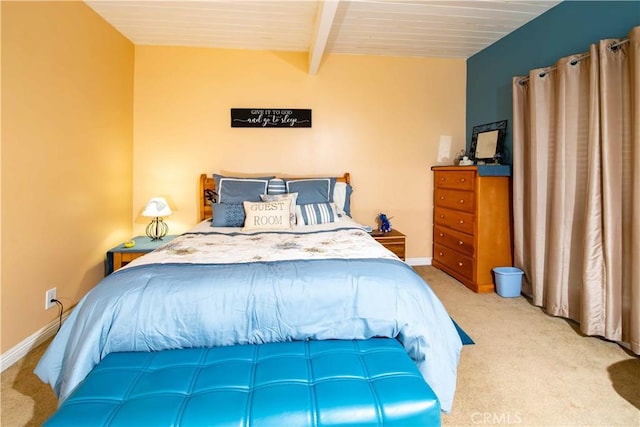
[
  {"x": 316, "y": 213},
  {"x": 276, "y": 186}
]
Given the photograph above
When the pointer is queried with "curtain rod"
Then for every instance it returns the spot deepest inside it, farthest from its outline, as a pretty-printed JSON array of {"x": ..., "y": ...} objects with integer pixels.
[
  {"x": 574, "y": 61},
  {"x": 614, "y": 46}
]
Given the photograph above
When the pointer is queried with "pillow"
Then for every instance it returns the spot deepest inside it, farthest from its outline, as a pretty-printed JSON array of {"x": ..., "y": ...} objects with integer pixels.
[
  {"x": 342, "y": 197},
  {"x": 276, "y": 186},
  {"x": 267, "y": 215},
  {"x": 316, "y": 213},
  {"x": 237, "y": 190},
  {"x": 312, "y": 190},
  {"x": 287, "y": 196},
  {"x": 227, "y": 215}
]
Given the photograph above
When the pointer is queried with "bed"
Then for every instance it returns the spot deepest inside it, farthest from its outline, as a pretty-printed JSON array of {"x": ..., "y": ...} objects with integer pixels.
[{"x": 308, "y": 275}]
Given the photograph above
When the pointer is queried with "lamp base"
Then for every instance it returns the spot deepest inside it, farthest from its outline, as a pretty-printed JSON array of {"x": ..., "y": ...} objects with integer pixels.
[{"x": 157, "y": 229}]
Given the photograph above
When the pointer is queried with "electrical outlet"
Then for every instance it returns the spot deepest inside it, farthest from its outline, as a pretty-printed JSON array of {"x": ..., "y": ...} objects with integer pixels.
[{"x": 49, "y": 295}]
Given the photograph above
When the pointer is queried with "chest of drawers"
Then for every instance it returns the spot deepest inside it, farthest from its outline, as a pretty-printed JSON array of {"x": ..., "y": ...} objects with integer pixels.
[{"x": 472, "y": 223}]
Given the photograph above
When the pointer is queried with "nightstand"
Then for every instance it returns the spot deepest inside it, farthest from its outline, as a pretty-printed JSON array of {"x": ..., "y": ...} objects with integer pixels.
[
  {"x": 394, "y": 240},
  {"x": 120, "y": 256}
]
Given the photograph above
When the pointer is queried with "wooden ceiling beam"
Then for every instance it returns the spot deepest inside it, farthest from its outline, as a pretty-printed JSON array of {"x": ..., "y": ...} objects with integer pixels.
[{"x": 324, "y": 22}]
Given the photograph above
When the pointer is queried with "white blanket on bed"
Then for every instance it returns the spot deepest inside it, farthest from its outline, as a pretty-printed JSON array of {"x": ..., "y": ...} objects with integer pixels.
[{"x": 211, "y": 245}]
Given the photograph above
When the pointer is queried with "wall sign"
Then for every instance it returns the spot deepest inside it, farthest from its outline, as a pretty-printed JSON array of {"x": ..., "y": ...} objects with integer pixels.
[{"x": 270, "y": 118}]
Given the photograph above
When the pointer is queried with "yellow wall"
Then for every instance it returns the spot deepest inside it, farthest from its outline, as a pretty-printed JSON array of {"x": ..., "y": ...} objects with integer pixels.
[
  {"x": 378, "y": 118},
  {"x": 0, "y": 181},
  {"x": 67, "y": 138},
  {"x": 88, "y": 138}
]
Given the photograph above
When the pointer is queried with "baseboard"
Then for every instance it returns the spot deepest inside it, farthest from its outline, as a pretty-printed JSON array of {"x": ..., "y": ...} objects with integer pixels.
[
  {"x": 419, "y": 261},
  {"x": 14, "y": 354}
]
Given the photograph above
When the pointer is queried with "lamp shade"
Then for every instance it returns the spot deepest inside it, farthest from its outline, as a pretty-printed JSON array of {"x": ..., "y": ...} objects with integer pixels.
[{"x": 157, "y": 207}]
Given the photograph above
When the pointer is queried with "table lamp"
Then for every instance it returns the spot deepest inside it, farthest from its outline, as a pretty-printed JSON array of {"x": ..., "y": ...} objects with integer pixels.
[{"x": 157, "y": 208}]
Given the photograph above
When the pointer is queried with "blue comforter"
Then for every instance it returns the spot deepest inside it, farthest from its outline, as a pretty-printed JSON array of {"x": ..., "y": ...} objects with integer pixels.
[{"x": 166, "y": 306}]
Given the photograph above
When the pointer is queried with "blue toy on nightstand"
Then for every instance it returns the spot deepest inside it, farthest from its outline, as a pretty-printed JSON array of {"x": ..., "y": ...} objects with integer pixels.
[{"x": 385, "y": 225}]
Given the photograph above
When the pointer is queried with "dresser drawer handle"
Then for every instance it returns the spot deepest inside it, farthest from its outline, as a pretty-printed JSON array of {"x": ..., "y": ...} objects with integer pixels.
[
  {"x": 442, "y": 178},
  {"x": 441, "y": 234},
  {"x": 462, "y": 221},
  {"x": 440, "y": 254},
  {"x": 441, "y": 197},
  {"x": 441, "y": 215},
  {"x": 460, "y": 264},
  {"x": 462, "y": 180},
  {"x": 461, "y": 200},
  {"x": 461, "y": 243}
]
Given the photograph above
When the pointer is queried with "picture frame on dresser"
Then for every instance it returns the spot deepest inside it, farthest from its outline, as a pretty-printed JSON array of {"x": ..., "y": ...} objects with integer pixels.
[{"x": 487, "y": 142}]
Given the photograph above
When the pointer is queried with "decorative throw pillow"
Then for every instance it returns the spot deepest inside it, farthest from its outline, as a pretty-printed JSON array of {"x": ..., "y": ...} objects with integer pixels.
[
  {"x": 276, "y": 186},
  {"x": 227, "y": 215},
  {"x": 267, "y": 215},
  {"x": 312, "y": 190},
  {"x": 238, "y": 190},
  {"x": 316, "y": 213},
  {"x": 287, "y": 196}
]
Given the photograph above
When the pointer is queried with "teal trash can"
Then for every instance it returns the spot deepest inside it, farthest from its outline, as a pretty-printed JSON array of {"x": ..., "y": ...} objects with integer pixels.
[{"x": 508, "y": 281}]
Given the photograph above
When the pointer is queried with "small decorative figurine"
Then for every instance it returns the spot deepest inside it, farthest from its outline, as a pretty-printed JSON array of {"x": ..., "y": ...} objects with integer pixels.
[
  {"x": 385, "y": 225},
  {"x": 466, "y": 161},
  {"x": 461, "y": 154}
]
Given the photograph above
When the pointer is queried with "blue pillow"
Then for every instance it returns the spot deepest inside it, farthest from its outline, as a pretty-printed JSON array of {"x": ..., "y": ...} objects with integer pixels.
[
  {"x": 317, "y": 213},
  {"x": 311, "y": 190},
  {"x": 238, "y": 190},
  {"x": 276, "y": 186},
  {"x": 227, "y": 215}
]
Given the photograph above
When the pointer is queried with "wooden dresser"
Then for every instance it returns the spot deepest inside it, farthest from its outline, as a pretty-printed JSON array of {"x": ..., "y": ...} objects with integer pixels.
[{"x": 472, "y": 223}]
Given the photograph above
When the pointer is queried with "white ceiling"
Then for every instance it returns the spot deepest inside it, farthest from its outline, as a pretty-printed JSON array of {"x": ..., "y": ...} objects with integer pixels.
[{"x": 419, "y": 28}]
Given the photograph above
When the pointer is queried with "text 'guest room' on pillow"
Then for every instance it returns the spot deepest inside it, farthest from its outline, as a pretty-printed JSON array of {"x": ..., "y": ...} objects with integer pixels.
[{"x": 267, "y": 215}]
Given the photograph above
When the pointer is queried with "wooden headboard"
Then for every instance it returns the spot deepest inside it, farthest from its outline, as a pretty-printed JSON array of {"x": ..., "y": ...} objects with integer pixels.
[{"x": 207, "y": 183}]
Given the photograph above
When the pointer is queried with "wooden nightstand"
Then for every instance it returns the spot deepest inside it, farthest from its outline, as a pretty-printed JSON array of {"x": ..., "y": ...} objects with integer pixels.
[
  {"x": 394, "y": 240},
  {"x": 120, "y": 256}
]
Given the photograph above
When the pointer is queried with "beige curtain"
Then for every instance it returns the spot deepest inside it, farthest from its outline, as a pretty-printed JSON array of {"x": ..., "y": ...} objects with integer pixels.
[{"x": 576, "y": 188}]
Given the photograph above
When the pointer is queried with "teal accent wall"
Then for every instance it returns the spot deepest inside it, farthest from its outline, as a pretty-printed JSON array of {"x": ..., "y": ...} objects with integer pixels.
[{"x": 566, "y": 29}]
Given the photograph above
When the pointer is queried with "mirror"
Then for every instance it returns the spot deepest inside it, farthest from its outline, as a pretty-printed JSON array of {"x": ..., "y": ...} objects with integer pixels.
[{"x": 487, "y": 142}]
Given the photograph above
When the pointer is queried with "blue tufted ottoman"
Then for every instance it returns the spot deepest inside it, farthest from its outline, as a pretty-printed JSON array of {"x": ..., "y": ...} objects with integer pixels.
[{"x": 300, "y": 383}]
